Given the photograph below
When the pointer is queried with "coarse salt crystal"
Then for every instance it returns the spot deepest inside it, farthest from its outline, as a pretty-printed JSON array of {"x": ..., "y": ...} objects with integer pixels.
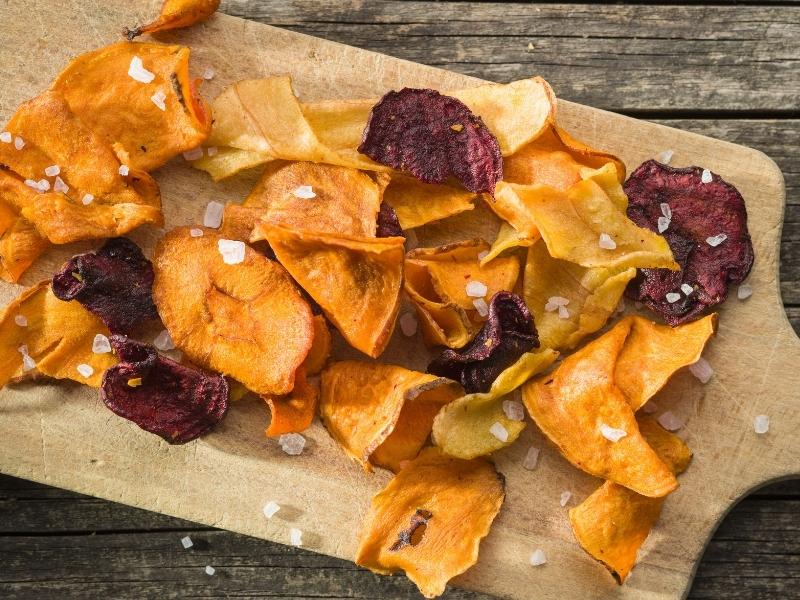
[
  {"x": 687, "y": 289},
  {"x": 232, "y": 251},
  {"x": 193, "y": 154},
  {"x": 761, "y": 424},
  {"x": 304, "y": 191},
  {"x": 514, "y": 410},
  {"x": 482, "y": 255},
  {"x": 702, "y": 370},
  {"x": 52, "y": 170},
  {"x": 295, "y": 537},
  {"x": 5, "y": 137},
  {"x": 706, "y": 176},
  {"x": 208, "y": 73},
  {"x": 21, "y": 320},
  {"x": 212, "y": 150},
  {"x": 531, "y": 459},
  {"x": 716, "y": 240},
  {"x": 28, "y": 363},
  {"x": 87, "y": 199},
  {"x": 665, "y": 157},
  {"x": 663, "y": 224},
  {"x": 43, "y": 185},
  {"x": 19, "y": 143},
  {"x": 476, "y": 289},
  {"x": 60, "y": 186},
  {"x": 195, "y": 232},
  {"x": 32, "y": 184},
  {"x": 210, "y": 570},
  {"x": 670, "y": 421},
  {"x": 186, "y": 542},
  {"x": 565, "y": 496},
  {"x": 650, "y": 408},
  {"x": 606, "y": 242},
  {"x": 744, "y": 292},
  {"x": 673, "y": 297},
  {"x": 213, "y": 216},
  {"x": 85, "y": 370},
  {"x": 498, "y": 431},
  {"x": 163, "y": 341},
  {"x": 137, "y": 71},
  {"x": 101, "y": 344},
  {"x": 124, "y": 170},
  {"x": 481, "y": 306},
  {"x": 270, "y": 508},
  {"x": 553, "y": 302},
  {"x": 666, "y": 210},
  {"x": 408, "y": 324},
  {"x": 158, "y": 99},
  {"x": 563, "y": 312},
  {"x": 537, "y": 558},
  {"x": 292, "y": 443},
  {"x": 612, "y": 434}
]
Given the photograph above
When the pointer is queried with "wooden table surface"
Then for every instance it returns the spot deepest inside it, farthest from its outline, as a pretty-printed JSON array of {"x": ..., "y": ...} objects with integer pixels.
[{"x": 730, "y": 70}]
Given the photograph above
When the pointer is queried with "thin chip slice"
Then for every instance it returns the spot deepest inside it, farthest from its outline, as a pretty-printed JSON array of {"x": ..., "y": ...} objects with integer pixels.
[
  {"x": 381, "y": 414},
  {"x": 613, "y": 523},
  {"x": 56, "y": 339},
  {"x": 418, "y": 203},
  {"x": 295, "y": 412},
  {"x": 463, "y": 428},
  {"x": 245, "y": 320},
  {"x": 20, "y": 243},
  {"x": 176, "y": 14},
  {"x": 429, "y": 520},
  {"x": 507, "y": 238},
  {"x": 320, "y": 347},
  {"x": 356, "y": 281},
  {"x": 579, "y": 409}
]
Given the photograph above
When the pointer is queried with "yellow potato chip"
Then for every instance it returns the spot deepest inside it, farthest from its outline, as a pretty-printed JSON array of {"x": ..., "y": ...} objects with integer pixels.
[
  {"x": 381, "y": 414},
  {"x": 295, "y": 412},
  {"x": 507, "y": 239},
  {"x": 429, "y": 520},
  {"x": 417, "y": 203},
  {"x": 464, "y": 428},
  {"x": 41, "y": 334}
]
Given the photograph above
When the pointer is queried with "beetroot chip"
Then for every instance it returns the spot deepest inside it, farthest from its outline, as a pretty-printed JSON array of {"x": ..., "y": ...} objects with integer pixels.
[
  {"x": 162, "y": 396},
  {"x": 115, "y": 283},
  {"x": 388, "y": 223},
  {"x": 706, "y": 228},
  {"x": 506, "y": 335},
  {"x": 433, "y": 137}
]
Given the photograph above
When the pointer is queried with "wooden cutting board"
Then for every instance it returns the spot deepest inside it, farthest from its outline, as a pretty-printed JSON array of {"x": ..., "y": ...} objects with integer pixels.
[{"x": 60, "y": 434}]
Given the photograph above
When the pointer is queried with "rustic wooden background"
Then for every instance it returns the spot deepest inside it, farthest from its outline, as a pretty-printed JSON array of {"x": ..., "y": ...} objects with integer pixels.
[{"x": 730, "y": 70}]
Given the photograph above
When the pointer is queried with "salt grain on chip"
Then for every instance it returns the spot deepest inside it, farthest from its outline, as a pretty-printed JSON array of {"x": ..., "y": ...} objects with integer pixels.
[
  {"x": 193, "y": 154},
  {"x": 565, "y": 496},
  {"x": 32, "y": 184},
  {"x": 666, "y": 210},
  {"x": 43, "y": 185},
  {"x": 744, "y": 292},
  {"x": 271, "y": 508},
  {"x": 295, "y": 537},
  {"x": 27, "y": 361},
  {"x": 163, "y": 341},
  {"x": 52, "y": 170},
  {"x": 19, "y": 143},
  {"x": 292, "y": 443},
  {"x": 531, "y": 459},
  {"x": 213, "y": 216},
  {"x": 663, "y": 224},
  {"x": 716, "y": 240},
  {"x": 702, "y": 370},
  {"x": 482, "y": 255},
  {"x": 514, "y": 410},
  {"x": 563, "y": 312},
  {"x": 59, "y": 186},
  {"x": 498, "y": 431},
  {"x": 481, "y": 306},
  {"x": 137, "y": 71},
  {"x": 612, "y": 434},
  {"x": 194, "y": 232},
  {"x": 305, "y": 192},
  {"x": 706, "y": 176},
  {"x": 672, "y": 297},
  {"x": 232, "y": 251},
  {"x": 158, "y": 99},
  {"x": 606, "y": 242},
  {"x": 87, "y": 199},
  {"x": 408, "y": 324},
  {"x": 124, "y": 170},
  {"x": 208, "y": 74},
  {"x": 21, "y": 320},
  {"x": 537, "y": 558},
  {"x": 670, "y": 421},
  {"x": 5, "y": 137},
  {"x": 101, "y": 344},
  {"x": 186, "y": 542},
  {"x": 85, "y": 370},
  {"x": 212, "y": 150},
  {"x": 687, "y": 289},
  {"x": 554, "y": 302},
  {"x": 476, "y": 289},
  {"x": 761, "y": 424}
]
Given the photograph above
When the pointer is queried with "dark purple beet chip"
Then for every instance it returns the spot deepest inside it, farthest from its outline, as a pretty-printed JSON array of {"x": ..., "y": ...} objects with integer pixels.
[
  {"x": 162, "y": 396},
  {"x": 506, "y": 335},
  {"x": 698, "y": 212},
  {"x": 388, "y": 223},
  {"x": 115, "y": 283},
  {"x": 433, "y": 137}
]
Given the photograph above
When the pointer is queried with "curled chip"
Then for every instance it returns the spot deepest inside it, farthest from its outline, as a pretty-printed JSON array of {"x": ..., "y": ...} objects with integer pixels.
[
  {"x": 464, "y": 428},
  {"x": 355, "y": 280},
  {"x": 20, "y": 243},
  {"x": 243, "y": 319},
  {"x": 433, "y": 137},
  {"x": 706, "y": 227},
  {"x": 176, "y": 14},
  {"x": 418, "y": 203},
  {"x": 176, "y": 402},
  {"x": 115, "y": 283},
  {"x": 429, "y": 520},
  {"x": 507, "y": 239},
  {"x": 506, "y": 335},
  {"x": 613, "y": 523},
  {"x": 388, "y": 223},
  {"x": 569, "y": 301},
  {"x": 295, "y": 412},
  {"x": 381, "y": 414},
  {"x": 55, "y": 340},
  {"x": 320, "y": 347},
  {"x": 581, "y": 411}
]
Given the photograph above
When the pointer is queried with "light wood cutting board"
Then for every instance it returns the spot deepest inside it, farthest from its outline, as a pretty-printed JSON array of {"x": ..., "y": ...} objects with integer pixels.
[{"x": 60, "y": 434}]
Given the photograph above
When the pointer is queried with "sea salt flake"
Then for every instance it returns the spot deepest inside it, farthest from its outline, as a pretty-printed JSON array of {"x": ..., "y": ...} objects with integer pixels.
[
  {"x": 19, "y": 143},
  {"x": 232, "y": 251},
  {"x": 663, "y": 224},
  {"x": 208, "y": 74},
  {"x": 706, "y": 177},
  {"x": 137, "y": 71},
  {"x": 514, "y": 410},
  {"x": 744, "y": 291},
  {"x": 210, "y": 570},
  {"x": 52, "y": 170},
  {"x": 295, "y": 537},
  {"x": 43, "y": 185},
  {"x": 28, "y": 363},
  {"x": 666, "y": 210},
  {"x": 554, "y": 302},
  {"x": 195, "y": 232},
  {"x": 158, "y": 99},
  {"x": 5, "y": 137},
  {"x": 565, "y": 496},
  {"x": 186, "y": 542},
  {"x": 612, "y": 434},
  {"x": 481, "y": 306},
  {"x": 702, "y": 370},
  {"x": 60, "y": 186},
  {"x": 687, "y": 289},
  {"x": 163, "y": 341},
  {"x": 531, "y": 459},
  {"x": 673, "y": 297},
  {"x": 476, "y": 289},
  {"x": 193, "y": 154},
  {"x": 761, "y": 424},
  {"x": 87, "y": 199},
  {"x": 124, "y": 170},
  {"x": 537, "y": 558},
  {"x": 670, "y": 421},
  {"x": 498, "y": 431},
  {"x": 665, "y": 157},
  {"x": 101, "y": 344},
  {"x": 21, "y": 320},
  {"x": 270, "y": 509},
  {"x": 85, "y": 370},
  {"x": 483, "y": 255},
  {"x": 716, "y": 240},
  {"x": 305, "y": 192},
  {"x": 606, "y": 242},
  {"x": 408, "y": 324},
  {"x": 213, "y": 216},
  {"x": 32, "y": 184},
  {"x": 563, "y": 312},
  {"x": 212, "y": 150},
  {"x": 650, "y": 408},
  {"x": 292, "y": 443}
]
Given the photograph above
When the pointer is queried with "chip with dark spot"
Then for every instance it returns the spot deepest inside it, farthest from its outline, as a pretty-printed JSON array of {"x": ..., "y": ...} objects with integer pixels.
[
  {"x": 706, "y": 228},
  {"x": 388, "y": 223},
  {"x": 115, "y": 283},
  {"x": 176, "y": 402},
  {"x": 433, "y": 137},
  {"x": 412, "y": 535},
  {"x": 506, "y": 335}
]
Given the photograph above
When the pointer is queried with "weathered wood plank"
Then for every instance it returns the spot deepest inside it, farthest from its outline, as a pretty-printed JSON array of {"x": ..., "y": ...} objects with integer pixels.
[{"x": 625, "y": 58}]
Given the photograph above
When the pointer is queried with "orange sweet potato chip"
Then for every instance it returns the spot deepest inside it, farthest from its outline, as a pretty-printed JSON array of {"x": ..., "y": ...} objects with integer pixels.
[
  {"x": 613, "y": 523},
  {"x": 320, "y": 348},
  {"x": 581, "y": 411},
  {"x": 20, "y": 243},
  {"x": 381, "y": 414},
  {"x": 417, "y": 203},
  {"x": 429, "y": 520},
  {"x": 41, "y": 334},
  {"x": 245, "y": 320},
  {"x": 176, "y": 14},
  {"x": 355, "y": 280},
  {"x": 295, "y": 412}
]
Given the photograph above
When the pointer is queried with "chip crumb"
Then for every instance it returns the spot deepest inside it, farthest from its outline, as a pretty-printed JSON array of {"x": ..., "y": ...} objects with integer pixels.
[
  {"x": 52, "y": 170},
  {"x": 537, "y": 558},
  {"x": 665, "y": 157},
  {"x": 59, "y": 186},
  {"x": 292, "y": 443},
  {"x": 193, "y": 154},
  {"x": 408, "y": 324},
  {"x": 481, "y": 306},
  {"x": 21, "y": 320},
  {"x": 672, "y": 297},
  {"x": 85, "y": 370},
  {"x": 87, "y": 199},
  {"x": 163, "y": 341},
  {"x": 457, "y": 127},
  {"x": 663, "y": 224},
  {"x": 270, "y": 509},
  {"x": 716, "y": 240},
  {"x": 295, "y": 537},
  {"x": 531, "y": 458},
  {"x": 761, "y": 424},
  {"x": 134, "y": 382},
  {"x": 706, "y": 177},
  {"x": 565, "y": 496},
  {"x": 304, "y": 191},
  {"x": 195, "y": 232},
  {"x": 702, "y": 370},
  {"x": 514, "y": 410},
  {"x": 476, "y": 289},
  {"x": 213, "y": 216},
  {"x": 612, "y": 434},
  {"x": 101, "y": 344},
  {"x": 124, "y": 170},
  {"x": 744, "y": 291},
  {"x": 186, "y": 542},
  {"x": 19, "y": 143},
  {"x": 687, "y": 289},
  {"x": 232, "y": 251},
  {"x": 137, "y": 71},
  {"x": 650, "y": 408},
  {"x": 670, "y": 421},
  {"x": 498, "y": 431},
  {"x": 606, "y": 242},
  {"x": 210, "y": 570},
  {"x": 5, "y": 137}
]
